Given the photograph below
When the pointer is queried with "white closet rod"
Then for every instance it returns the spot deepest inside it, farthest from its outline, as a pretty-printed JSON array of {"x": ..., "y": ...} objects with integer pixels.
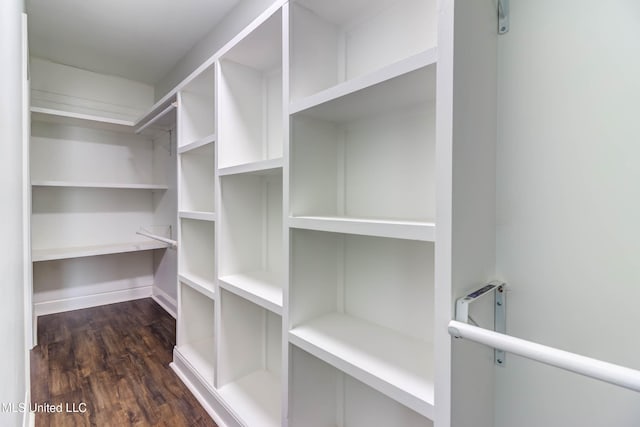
[
  {"x": 594, "y": 368},
  {"x": 157, "y": 117},
  {"x": 172, "y": 243}
]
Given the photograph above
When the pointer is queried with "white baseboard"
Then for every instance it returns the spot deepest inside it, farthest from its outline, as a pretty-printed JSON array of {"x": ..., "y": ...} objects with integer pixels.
[
  {"x": 204, "y": 394},
  {"x": 165, "y": 301},
  {"x": 76, "y": 303}
]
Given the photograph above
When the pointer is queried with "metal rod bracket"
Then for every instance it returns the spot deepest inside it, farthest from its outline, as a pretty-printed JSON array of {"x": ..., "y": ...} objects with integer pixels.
[
  {"x": 500, "y": 322},
  {"x": 499, "y": 307},
  {"x": 503, "y": 16}
]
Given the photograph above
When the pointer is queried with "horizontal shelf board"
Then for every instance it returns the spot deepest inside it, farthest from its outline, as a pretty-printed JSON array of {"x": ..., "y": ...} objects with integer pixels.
[
  {"x": 200, "y": 284},
  {"x": 200, "y": 215},
  {"x": 86, "y": 251},
  {"x": 330, "y": 104},
  {"x": 69, "y": 118},
  {"x": 260, "y": 287},
  {"x": 199, "y": 354},
  {"x": 397, "y": 366},
  {"x": 155, "y": 110},
  {"x": 263, "y": 167},
  {"x": 411, "y": 230},
  {"x": 255, "y": 398},
  {"x": 43, "y": 183},
  {"x": 197, "y": 144}
]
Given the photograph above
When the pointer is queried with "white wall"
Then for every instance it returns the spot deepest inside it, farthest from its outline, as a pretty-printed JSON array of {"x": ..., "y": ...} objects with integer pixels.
[
  {"x": 12, "y": 321},
  {"x": 73, "y": 89},
  {"x": 238, "y": 18},
  {"x": 569, "y": 205}
]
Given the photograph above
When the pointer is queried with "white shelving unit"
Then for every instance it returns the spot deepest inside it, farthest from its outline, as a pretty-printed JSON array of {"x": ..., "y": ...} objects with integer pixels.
[
  {"x": 95, "y": 183},
  {"x": 335, "y": 41},
  {"x": 251, "y": 98},
  {"x": 251, "y": 241},
  {"x": 197, "y": 255},
  {"x": 327, "y": 236},
  {"x": 196, "y": 112},
  {"x": 250, "y": 360},
  {"x": 369, "y": 154},
  {"x": 338, "y": 399},
  {"x": 338, "y": 284},
  {"x": 196, "y": 180},
  {"x": 195, "y": 332}
]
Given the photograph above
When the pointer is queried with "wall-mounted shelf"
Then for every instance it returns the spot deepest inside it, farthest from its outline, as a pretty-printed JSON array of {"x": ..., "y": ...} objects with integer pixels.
[
  {"x": 209, "y": 139},
  {"x": 261, "y": 287},
  {"x": 397, "y": 366},
  {"x": 69, "y": 118},
  {"x": 404, "y": 66},
  {"x": 199, "y": 215},
  {"x": 69, "y": 184},
  {"x": 338, "y": 399},
  {"x": 412, "y": 230},
  {"x": 263, "y": 167},
  {"x": 199, "y": 284},
  {"x": 85, "y": 251}
]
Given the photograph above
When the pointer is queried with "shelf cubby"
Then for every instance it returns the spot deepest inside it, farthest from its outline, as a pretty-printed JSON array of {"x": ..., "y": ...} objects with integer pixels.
[
  {"x": 196, "y": 340},
  {"x": 338, "y": 285},
  {"x": 369, "y": 156},
  {"x": 196, "y": 180},
  {"x": 321, "y": 395},
  {"x": 196, "y": 110},
  {"x": 252, "y": 238},
  {"x": 250, "y": 360},
  {"x": 336, "y": 41},
  {"x": 197, "y": 254},
  {"x": 251, "y": 97}
]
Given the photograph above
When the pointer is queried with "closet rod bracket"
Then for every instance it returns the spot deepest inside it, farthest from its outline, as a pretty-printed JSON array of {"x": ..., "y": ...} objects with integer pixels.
[
  {"x": 498, "y": 290},
  {"x": 503, "y": 16}
]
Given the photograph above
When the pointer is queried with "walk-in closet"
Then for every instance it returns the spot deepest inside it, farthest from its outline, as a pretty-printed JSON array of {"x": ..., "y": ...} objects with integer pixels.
[{"x": 321, "y": 213}]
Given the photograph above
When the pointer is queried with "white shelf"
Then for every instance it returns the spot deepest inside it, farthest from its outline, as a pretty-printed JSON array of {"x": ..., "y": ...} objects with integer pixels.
[
  {"x": 384, "y": 91},
  {"x": 86, "y": 251},
  {"x": 255, "y": 398},
  {"x": 412, "y": 230},
  {"x": 263, "y": 167},
  {"x": 387, "y": 73},
  {"x": 199, "y": 355},
  {"x": 197, "y": 144},
  {"x": 200, "y": 284},
  {"x": 260, "y": 287},
  {"x": 397, "y": 366},
  {"x": 199, "y": 215},
  {"x": 50, "y": 115},
  {"x": 69, "y": 184}
]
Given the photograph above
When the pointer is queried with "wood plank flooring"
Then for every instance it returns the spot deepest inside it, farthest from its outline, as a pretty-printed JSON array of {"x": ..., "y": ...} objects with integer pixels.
[{"x": 115, "y": 359}]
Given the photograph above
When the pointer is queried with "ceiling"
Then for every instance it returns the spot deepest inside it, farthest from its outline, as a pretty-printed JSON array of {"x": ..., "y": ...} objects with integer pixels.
[{"x": 137, "y": 39}]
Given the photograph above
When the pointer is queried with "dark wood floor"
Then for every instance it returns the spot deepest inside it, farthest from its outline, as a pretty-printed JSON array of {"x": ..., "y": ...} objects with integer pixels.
[{"x": 115, "y": 359}]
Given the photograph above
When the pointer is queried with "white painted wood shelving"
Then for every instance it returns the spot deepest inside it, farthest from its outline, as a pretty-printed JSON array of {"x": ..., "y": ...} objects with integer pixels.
[
  {"x": 332, "y": 262},
  {"x": 95, "y": 183},
  {"x": 335, "y": 188}
]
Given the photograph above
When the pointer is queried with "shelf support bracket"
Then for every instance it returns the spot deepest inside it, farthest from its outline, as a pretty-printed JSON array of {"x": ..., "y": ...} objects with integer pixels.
[
  {"x": 499, "y": 311},
  {"x": 503, "y": 16}
]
